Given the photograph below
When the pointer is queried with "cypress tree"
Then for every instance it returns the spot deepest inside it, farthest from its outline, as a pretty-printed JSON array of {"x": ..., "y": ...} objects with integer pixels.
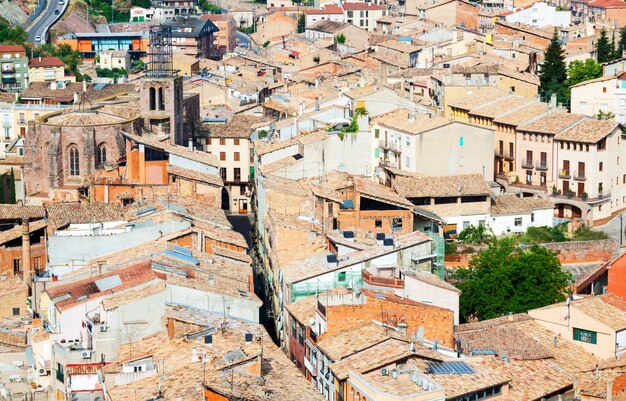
[
  {"x": 12, "y": 199},
  {"x": 553, "y": 74},
  {"x": 613, "y": 47},
  {"x": 603, "y": 49},
  {"x": 622, "y": 42}
]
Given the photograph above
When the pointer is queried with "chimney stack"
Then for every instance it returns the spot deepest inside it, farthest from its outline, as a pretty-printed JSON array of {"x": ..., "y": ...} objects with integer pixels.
[
  {"x": 84, "y": 86},
  {"x": 26, "y": 251},
  {"x": 190, "y": 145}
]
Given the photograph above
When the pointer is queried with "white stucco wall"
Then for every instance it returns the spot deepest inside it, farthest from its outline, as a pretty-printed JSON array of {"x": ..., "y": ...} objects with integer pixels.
[{"x": 420, "y": 291}]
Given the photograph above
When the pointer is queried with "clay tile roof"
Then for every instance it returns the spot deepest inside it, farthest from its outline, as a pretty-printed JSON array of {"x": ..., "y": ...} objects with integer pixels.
[
  {"x": 240, "y": 126},
  {"x": 476, "y": 99},
  {"x": 403, "y": 47},
  {"x": 607, "y": 4},
  {"x": 303, "y": 310},
  {"x": 550, "y": 124},
  {"x": 504, "y": 340},
  {"x": 446, "y": 186},
  {"x": 522, "y": 114},
  {"x": 83, "y": 290},
  {"x": 62, "y": 214},
  {"x": 486, "y": 324},
  {"x": 11, "y": 48},
  {"x": 328, "y": 9},
  {"x": 212, "y": 179},
  {"x": 327, "y": 26},
  {"x": 369, "y": 189},
  {"x": 588, "y": 131},
  {"x": 45, "y": 62},
  {"x": 400, "y": 119},
  {"x": 362, "y": 6},
  {"x": 494, "y": 109},
  {"x": 431, "y": 279},
  {"x": 12, "y": 285},
  {"x": 513, "y": 204},
  {"x": 75, "y": 369},
  {"x": 349, "y": 342},
  {"x": 17, "y": 212},
  {"x": 608, "y": 309}
]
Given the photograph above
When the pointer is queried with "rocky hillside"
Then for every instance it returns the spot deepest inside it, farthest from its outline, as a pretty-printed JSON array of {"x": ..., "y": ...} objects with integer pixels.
[{"x": 16, "y": 11}]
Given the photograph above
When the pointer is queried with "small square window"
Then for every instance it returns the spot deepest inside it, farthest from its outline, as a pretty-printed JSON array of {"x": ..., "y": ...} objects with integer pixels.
[
  {"x": 378, "y": 223},
  {"x": 16, "y": 311},
  {"x": 518, "y": 222}
]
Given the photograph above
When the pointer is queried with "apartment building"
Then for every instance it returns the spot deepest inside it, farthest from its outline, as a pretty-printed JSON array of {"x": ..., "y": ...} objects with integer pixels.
[
  {"x": 231, "y": 143},
  {"x": 115, "y": 59},
  {"x": 193, "y": 36},
  {"x": 330, "y": 12},
  {"x": 606, "y": 94},
  {"x": 14, "y": 68},
  {"x": 47, "y": 69},
  {"x": 363, "y": 14},
  {"x": 225, "y": 39},
  {"x": 180, "y": 7},
  {"x": 538, "y": 15},
  {"x": 403, "y": 140},
  {"x": 15, "y": 118}
]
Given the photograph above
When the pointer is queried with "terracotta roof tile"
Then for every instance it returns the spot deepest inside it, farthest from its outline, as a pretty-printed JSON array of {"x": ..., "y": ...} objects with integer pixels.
[
  {"x": 494, "y": 109},
  {"x": 588, "y": 131},
  {"x": 17, "y": 212},
  {"x": 445, "y": 186},
  {"x": 522, "y": 114},
  {"x": 63, "y": 214},
  {"x": 513, "y": 204},
  {"x": 45, "y": 62},
  {"x": 349, "y": 342},
  {"x": 551, "y": 124},
  {"x": 401, "y": 120}
]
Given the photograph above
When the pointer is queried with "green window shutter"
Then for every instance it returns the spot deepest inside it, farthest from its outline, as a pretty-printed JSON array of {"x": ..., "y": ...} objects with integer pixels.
[
  {"x": 585, "y": 336},
  {"x": 377, "y": 152}
]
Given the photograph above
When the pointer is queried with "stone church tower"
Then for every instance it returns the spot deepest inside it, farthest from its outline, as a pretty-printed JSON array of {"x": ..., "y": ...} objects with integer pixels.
[{"x": 161, "y": 89}]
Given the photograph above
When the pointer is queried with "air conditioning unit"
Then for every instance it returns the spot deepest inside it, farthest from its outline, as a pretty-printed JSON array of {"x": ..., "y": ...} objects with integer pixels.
[
  {"x": 103, "y": 329},
  {"x": 384, "y": 372},
  {"x": 42, "y": 372},
  {"x": 86, "y": 354}
]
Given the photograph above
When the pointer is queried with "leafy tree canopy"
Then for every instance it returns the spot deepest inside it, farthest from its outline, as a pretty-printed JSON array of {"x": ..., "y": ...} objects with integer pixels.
[
  {"x": 507, "y": 279},
  {"x": 580, "y": 71}
]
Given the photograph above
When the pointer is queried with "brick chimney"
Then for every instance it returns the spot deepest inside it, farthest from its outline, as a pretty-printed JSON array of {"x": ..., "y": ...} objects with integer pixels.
[{"x": 26, "y": 251}]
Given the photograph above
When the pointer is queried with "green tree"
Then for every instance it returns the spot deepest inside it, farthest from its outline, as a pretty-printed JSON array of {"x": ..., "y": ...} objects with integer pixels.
[
  {"x": 209, "y": 7},
  {"x": 603, "y": 48},
  {"x": 12, "y": 199},
  {"x": 301, "y": 23},
  {"x": 613, "y": 45},
  {"x": 605, "y": 115},
  {"x": 506, "y": 279},
  {"x": 579, "y": 71},
  {"x": 476, "y": 234},
  {"x": 553, "y": 74},
  {"x": 621, "y": 45},
  {"x": 12, "y": 35},
  {"x": 341, "y": 38}
]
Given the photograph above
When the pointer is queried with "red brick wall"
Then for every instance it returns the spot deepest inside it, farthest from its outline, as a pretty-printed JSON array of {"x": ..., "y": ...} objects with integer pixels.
[
  {"x": 437, "y": 322},
  {"x": 7, "y": 255},
  {"x": 467, "y": 15}
]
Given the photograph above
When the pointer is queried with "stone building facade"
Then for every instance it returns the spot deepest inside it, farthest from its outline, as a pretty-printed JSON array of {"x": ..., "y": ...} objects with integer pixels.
[{"x": 63, "y": 150}]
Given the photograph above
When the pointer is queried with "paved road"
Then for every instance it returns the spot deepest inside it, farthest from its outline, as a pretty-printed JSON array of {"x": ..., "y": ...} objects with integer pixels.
[
  {"x": 612, "y": 228},
  {"x": 42, "y": 25},
  {"x": 243, "y": 40}
]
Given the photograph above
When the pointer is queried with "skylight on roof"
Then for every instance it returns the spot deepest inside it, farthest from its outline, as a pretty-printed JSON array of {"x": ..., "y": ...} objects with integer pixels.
[
  {"x": 107, "y": 283},
  {"x": 449, "y": 368}
]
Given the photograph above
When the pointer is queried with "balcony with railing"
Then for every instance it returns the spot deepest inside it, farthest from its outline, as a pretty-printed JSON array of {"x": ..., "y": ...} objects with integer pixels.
[
  {"x": 505, "y": 154},
  {"x": 580, "y": 175},
  {"x": 565, "y": 173},
  {"x": 393, "y": 146},
  {"x": 372, "y": 279},
  {"x": 541, "y": 165},
  {"x": 527, "y": 164}
]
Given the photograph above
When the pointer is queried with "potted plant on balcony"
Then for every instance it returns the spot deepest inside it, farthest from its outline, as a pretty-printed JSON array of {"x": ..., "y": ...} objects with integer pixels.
[
  {"x": 584, "y": 196},
  {"x": 554, "y": 192},
  {"x": 570, "y": 193},
  {"x": 600, "y": 189},
  {"x": 517, "y": 179}
]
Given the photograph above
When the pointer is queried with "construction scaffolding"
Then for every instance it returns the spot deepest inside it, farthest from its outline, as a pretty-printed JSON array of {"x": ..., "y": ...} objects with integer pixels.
[{"x": 160, "y": 64}]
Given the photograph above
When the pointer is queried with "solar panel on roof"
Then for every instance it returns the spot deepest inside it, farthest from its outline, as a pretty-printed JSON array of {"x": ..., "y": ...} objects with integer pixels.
[
  {"x": 331, "y": 258},
  {"x": 483, "y": 352},
  {"x": 449, "y": 368},
  {"x": 99, "y": 86},
  {"x": 145, "y": 210},
  {"x": 107, "y": 283}
]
